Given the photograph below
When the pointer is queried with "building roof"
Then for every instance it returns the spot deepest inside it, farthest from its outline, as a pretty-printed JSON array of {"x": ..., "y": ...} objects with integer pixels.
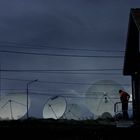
[{"x": 132, "y": 53}]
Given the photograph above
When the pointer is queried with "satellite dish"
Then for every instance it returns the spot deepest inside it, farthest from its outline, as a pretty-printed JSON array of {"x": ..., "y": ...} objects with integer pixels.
[
  {"x": 106, "y": 115},
  {"x": 54, "y": 108},
  {"x": 102, "y": 96},
  {"x": 13, "y": 106},
  {"x": 73, "y": 112}
]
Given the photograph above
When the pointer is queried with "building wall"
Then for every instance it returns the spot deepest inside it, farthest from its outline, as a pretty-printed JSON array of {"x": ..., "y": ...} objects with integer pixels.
[{"x": 136, "y": 96}]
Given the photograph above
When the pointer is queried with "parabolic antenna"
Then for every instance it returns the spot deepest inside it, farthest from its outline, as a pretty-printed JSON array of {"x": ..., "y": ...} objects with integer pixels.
[
  {"x": 54, "y": 108},
  {"x": 102, "y": 96},
  {"x": 73, "y": 112},
  {"x": 106, "y": 115},
  {"x": 13, "y": 106}
]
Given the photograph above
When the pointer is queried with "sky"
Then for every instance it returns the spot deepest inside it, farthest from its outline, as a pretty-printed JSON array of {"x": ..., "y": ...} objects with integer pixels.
[{"x": 67, "y": 45}]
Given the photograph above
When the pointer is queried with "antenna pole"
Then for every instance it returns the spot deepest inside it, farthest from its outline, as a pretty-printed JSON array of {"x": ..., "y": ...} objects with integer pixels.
[
  {"x": 110, "y": 100},
  {"x": 4, "y": 105},
  {"x": 53, "y": 111},
  {"x": 99, "y": 104},
  {"x": 10, "y": 101}
]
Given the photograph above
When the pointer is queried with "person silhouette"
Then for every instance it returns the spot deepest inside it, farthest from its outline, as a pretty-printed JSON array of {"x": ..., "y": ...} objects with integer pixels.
[{"x": 124, "y": 97}]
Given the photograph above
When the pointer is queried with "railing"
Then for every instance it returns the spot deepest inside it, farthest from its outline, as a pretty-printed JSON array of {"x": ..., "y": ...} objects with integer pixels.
[{"x": 118, "y": 110}]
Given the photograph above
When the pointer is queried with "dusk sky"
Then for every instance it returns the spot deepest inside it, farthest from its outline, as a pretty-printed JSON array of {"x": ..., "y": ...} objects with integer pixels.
[{"x": 67, "y": 45}]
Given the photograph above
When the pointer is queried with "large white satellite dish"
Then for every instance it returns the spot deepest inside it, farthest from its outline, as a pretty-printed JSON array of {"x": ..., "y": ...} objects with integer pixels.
[
  {"x": 102, "y": 96},
  {"x": 54, "y": 108},
  {"x": 13, "y": 106}
]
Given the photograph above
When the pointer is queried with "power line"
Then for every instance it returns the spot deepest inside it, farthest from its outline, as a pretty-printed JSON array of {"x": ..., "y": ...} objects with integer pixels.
[
  {"x": 64, "y": 92},
  {"x": 13, "y": 79},
  {"x": 64, "y": 49},
  {"x": 80, "y": 73},
  {"x": 77, "y": 73},
  {"x": 14, "y": 89},
  {"x": 59, "y": 55},
  {"x": 68, "y": 83},
  {"x": 57, "y": 70},
  {"x": 70, "y": 96},
  {"x": 53, "y": 47},
  {"x": 75, "y": 83}
]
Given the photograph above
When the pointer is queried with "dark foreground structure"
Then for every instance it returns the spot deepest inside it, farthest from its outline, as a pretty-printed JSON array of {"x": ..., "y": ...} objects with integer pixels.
[
  {"x": 67, "y": 130},
  {"x": 132, "y": 59}
]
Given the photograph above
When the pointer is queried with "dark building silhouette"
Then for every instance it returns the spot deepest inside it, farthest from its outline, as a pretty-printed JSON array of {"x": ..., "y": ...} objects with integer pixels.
[{"x": 132, "y": 59}]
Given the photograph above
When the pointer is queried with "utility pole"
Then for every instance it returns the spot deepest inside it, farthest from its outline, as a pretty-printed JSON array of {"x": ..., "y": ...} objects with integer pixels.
[
  {"x": 0, "y": 82},
  {"x": 30, "y": 82}
]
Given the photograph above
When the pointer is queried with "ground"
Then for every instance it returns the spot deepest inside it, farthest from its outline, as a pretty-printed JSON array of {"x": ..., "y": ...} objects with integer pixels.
[{"x": 68, "y": 130}]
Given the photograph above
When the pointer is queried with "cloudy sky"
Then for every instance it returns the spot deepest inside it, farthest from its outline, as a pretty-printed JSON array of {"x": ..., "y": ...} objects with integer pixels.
[{"x": 67, "y": 45}]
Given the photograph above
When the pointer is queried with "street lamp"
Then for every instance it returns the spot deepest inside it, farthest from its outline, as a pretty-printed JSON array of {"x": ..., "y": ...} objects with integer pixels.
[{"x": 30, "y": 82}]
